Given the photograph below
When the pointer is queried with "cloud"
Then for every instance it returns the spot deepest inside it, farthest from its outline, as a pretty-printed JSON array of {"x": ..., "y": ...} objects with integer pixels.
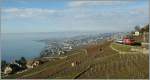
[
  {"x": 27, "y": 12},
  {"x": 140, "y": 10},
  {"x": 72, "y": 10},
  {"x": 26, "y": 1},
  {"x": 81, "y": 15},
  {"x": 95, "y": 3}
]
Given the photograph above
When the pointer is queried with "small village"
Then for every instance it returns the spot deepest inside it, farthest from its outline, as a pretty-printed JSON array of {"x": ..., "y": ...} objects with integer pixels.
[{"x": 138, "y": 39}]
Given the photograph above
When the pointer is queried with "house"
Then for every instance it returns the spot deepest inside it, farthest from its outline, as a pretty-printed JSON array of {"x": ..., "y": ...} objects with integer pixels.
[
  {"x": 67, "y": 47},
  {"x": 60, "y": 52},
  {"x": 32, "y": 63},
  {"x": 29, "y": 64},
  {"x": 12, "y": 68},
  {"x": 36, "y": 63},
  {"x": 137, "y": 33},
  {"x": 7, "y": 70}
]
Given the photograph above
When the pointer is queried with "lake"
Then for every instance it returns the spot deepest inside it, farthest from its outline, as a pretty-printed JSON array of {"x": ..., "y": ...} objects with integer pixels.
[{"x": 16, "y": 45}]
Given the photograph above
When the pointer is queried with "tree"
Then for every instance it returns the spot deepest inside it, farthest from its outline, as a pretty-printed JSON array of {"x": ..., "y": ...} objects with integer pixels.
[
  {"x": 22, "y": 61},
  {"x": 132, "y": 32},
  {"x": 137, "y": 28},
  {"x": 3, "y": 65},
  {"x": 145, "y": 28}
]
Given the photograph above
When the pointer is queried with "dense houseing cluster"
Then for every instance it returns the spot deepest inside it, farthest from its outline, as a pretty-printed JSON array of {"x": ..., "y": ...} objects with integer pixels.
[{"x": 56, "y": 48}]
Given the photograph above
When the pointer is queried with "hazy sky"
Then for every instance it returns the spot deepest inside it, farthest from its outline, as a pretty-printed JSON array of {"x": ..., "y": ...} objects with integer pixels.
[{"x": 52, "y": 16}]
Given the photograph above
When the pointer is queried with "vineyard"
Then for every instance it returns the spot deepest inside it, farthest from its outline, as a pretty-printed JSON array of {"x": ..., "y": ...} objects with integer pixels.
[
  {"x": 108, "y": 64},
  {"x": 120, "y": 66},
  {"x": 93, "y": 62}
]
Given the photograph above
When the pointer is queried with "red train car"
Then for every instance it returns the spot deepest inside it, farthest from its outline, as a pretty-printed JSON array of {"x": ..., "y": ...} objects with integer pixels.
[{"x": 128, "y": 41}]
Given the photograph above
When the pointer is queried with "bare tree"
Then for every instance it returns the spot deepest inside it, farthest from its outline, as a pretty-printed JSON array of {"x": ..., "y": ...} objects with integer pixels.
[{"x": 137, "y": 28}]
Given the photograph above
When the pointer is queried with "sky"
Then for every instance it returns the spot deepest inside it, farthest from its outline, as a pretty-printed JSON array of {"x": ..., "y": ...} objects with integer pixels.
[{"x": 23, "y": 16}]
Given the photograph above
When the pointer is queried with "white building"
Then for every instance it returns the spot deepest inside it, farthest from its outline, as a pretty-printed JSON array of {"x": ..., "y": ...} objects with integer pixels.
[{"x": 7, "y": 70}]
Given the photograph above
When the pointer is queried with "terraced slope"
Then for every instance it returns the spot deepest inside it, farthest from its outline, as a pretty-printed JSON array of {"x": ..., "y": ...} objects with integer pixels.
[{"x": 93, "y": 61}]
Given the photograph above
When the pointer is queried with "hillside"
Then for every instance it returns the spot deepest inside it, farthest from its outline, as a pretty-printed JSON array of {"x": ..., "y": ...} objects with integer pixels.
[{"x": 93, "y": 61}]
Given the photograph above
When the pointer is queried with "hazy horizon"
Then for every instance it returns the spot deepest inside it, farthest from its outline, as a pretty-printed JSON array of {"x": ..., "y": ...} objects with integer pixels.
[{"x": 63, "y": 32}]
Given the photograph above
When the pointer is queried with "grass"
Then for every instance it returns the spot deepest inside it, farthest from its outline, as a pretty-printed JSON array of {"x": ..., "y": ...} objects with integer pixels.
[
  {"x": 121, "y": 47},
  {"x": 121, "y": 66},
  {"x": 105, "y": 63}
]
